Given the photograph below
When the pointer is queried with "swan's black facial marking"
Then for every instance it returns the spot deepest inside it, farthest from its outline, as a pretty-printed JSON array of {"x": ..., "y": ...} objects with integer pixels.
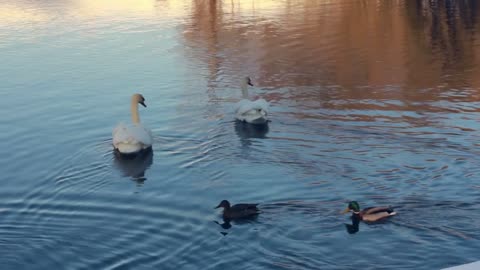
[
  {"x": 249, "y": 81},
  {"x": 142, "y": 101}
]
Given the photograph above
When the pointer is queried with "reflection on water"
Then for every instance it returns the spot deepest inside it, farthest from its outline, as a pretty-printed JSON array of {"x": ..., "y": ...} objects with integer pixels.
[
  {"x": 375, "y": 101},
  {"x": 409, "y": 51},
  {"x": 228, "y": 223},
  {"x": 134, "y": 166},
  {"x": 247, "y": 131},
  {"x": 225, "y": 225},
  {"x": 354, "y": 227}
]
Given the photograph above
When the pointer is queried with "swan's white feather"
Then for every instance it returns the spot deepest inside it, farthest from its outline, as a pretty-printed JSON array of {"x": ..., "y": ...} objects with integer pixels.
[
  {"x": 131, "y": 138},
  {"x": 252, "y": 111}
]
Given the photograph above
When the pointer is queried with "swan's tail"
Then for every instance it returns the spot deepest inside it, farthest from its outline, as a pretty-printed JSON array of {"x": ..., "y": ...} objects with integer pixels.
[
  {"x": 128, "y": 148},
  {"x": 255, "y": 116}
]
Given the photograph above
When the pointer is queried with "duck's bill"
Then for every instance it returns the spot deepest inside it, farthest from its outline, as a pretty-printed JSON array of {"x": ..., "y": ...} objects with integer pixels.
[
  {"x": 250, "y": 83},
  {"x": 143, "y": 104},
  {"x": 218, "y": 206},
  {"x": 345, "y": 211}
]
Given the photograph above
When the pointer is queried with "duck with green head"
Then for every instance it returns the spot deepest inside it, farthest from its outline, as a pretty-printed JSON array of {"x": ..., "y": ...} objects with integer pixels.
[{"x": 370, "y": 214}]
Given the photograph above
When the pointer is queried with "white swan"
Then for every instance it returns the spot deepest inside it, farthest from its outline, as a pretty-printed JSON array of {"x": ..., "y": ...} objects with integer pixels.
[
  {"x": 254, "y": 112},
  {"x": 131, "y": 139}
]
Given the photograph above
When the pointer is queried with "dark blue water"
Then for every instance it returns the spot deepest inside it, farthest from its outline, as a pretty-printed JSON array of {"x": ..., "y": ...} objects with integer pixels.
[{"x": 374, "y": 101}]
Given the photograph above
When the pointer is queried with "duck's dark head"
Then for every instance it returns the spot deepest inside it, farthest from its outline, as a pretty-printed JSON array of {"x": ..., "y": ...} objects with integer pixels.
[
  {"x": 225, "y": 204},
  {"x": 352, "y": 206}
]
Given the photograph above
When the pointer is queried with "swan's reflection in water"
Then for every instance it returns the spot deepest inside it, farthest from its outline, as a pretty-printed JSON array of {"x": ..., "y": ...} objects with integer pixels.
[
  {"x": 134, "y": 166},
  {"x": 247, "y": 131}
]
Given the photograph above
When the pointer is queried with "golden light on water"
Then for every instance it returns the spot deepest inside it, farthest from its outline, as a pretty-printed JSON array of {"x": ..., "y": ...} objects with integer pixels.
[
  {"x": 25, "y": 12},
  {"x": 385, "y": 38},
  {"x": 10, "y": 14},
  {"x": 122, "y": 8}
]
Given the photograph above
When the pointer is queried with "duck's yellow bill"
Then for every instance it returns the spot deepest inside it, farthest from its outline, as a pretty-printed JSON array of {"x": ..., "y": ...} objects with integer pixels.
[{"x": 345, "y": 211}]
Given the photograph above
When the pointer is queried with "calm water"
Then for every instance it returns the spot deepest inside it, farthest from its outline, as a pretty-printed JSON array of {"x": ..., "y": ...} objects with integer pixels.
[{"x": 374, "y": 101}]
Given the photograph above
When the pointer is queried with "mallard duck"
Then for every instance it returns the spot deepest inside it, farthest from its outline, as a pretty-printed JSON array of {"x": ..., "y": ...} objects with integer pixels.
[
  {"x": 134, "y": 138},
  {"x": 238, "y": 211},
  {"x": 369, "y": 214}
]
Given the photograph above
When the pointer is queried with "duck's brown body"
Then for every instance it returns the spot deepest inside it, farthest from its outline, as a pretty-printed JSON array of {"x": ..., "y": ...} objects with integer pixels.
[
  {"x": 372, "y": 214},
  {"x": 369, "y": 214}
]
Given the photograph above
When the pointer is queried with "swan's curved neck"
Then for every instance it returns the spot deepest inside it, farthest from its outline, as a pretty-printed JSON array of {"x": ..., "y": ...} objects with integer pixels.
[
  {"x": 244, "y": 90},
  {"x": 134, "y": 111}
]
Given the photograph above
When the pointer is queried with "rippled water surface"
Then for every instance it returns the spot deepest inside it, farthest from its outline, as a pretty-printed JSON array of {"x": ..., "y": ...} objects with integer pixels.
[{"x": 374, "y": 101}]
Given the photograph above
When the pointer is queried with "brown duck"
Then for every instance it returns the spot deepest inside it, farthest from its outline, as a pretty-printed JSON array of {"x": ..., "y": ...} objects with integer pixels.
[
  {"x": 237, "y": 211},
  {"x": 370, "y": 214}
]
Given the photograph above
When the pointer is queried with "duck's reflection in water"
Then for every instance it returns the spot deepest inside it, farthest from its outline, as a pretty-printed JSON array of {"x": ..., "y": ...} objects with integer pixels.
[
  {"x": 134, "y": 166},
  {"x": 354, "y": 227},
  {"x": 248, "y": 131},
  {"x": 227, "y": 223}
]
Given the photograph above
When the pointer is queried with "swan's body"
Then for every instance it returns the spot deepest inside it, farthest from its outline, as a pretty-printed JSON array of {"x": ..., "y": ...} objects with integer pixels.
[
  {"x": 132, "y": 138},
  {"x": 254, "y": 112}
]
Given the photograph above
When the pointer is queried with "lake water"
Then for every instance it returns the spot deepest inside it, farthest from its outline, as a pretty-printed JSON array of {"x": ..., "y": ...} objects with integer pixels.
[{"x": 374, "y": 101}]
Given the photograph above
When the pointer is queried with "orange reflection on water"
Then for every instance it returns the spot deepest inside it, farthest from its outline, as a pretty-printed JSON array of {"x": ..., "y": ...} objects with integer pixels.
[
  {"x": 358, "y": 49},
  {"x": 412, "y": 51}
]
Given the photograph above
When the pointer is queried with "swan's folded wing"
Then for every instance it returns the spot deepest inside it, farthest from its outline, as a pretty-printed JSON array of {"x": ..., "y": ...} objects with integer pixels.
[
  {"x": 262, "y": 104},
  {"x": 142, "y": 134},
  {"x": 240, "y": 106},
  {"x": 244, "y": 105},
  {"x": 132, "y": 134},
  {"x": 121, "y": 134}
]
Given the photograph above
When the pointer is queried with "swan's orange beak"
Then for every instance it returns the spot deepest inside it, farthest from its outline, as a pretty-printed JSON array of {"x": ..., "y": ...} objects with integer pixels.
[{"x": 345, "y": 211}]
